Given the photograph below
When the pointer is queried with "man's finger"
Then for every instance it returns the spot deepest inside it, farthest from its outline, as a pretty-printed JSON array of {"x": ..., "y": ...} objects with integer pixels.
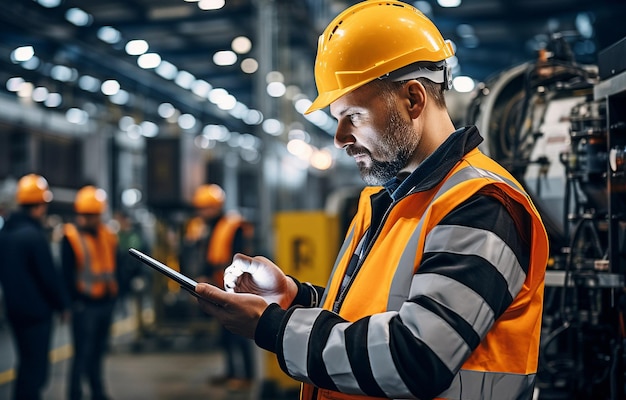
[{"x": 212, "y": 294}]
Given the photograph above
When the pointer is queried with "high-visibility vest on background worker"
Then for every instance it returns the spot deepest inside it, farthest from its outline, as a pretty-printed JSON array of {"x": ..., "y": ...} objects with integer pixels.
[{"x": 95, "y": 261}]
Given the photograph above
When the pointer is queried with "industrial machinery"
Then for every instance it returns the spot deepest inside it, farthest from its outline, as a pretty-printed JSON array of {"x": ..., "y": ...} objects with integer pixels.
[{"x": 560, "y": 128}]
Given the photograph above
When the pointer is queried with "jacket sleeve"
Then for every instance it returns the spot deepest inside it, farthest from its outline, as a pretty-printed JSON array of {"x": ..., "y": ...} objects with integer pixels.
[
  {"x": 455, "y": 297},
  {"x": 68, "y": 263},
  {"x": 48, "y": 274}
]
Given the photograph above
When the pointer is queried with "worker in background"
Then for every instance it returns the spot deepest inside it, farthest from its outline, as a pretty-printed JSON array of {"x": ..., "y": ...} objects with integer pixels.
[
  {"x": 32, "y": 285},
  {"x": 210, "y": 241},
  {"x": 437, "y": 290},
  {"x": 134, "y": 276},
  {"x": 89, "y": 253}
]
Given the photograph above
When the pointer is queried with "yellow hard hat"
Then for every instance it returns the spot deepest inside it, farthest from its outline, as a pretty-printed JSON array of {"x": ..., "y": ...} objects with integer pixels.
[
  {"x": 33, "y": 189},
  {"x": 210, "y": 195},
  {"x": 368, "y": 41},
  {"x": 90, "y": 200}
]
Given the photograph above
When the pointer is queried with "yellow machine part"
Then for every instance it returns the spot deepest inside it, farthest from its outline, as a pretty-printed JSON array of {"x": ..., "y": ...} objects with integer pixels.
[{"x": 307, "y": 243}]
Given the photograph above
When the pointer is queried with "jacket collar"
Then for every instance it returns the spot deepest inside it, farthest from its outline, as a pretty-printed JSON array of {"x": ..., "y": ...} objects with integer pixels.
[{"x": 436, "y": 166}]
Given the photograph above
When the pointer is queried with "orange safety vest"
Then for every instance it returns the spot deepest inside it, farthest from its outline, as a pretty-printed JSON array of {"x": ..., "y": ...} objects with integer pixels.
[
  {"x": 505, "y": 362},
  {"x": 220, "y": 249},
  {"x": 95, "y": 260}
]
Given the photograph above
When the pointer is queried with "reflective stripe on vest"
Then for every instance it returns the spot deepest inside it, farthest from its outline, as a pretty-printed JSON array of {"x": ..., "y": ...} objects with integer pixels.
[
  {"x": 95, "y": 261},
  {"x": 400, "y": 285},
  {"x": 480, "y": 384}
]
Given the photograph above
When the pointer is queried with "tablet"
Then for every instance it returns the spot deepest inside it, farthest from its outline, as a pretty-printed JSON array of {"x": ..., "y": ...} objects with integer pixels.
[{"x": 185, "y": 282}]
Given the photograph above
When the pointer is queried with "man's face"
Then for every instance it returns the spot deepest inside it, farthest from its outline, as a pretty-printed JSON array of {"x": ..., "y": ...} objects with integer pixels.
[
  {"x": 209, "y": 212},
  {"x": 372, "y": 129},
  {"x": 88, "y": 222}
]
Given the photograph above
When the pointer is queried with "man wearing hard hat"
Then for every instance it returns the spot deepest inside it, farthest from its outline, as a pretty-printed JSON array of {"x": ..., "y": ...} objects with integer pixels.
[
  {"x": 89, "y": 252},
  {"x": 32, "y": 286},
  {"x": 214, "y": 235},
  {"x": 437, "y": 291}
]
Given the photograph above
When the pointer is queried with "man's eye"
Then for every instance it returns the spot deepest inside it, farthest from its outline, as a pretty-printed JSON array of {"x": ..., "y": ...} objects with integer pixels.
[{"x": 354, "y": 117}]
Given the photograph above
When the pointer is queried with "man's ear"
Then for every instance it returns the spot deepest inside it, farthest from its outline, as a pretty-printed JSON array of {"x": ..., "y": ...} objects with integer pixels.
[{"x": 417, "y": 97}]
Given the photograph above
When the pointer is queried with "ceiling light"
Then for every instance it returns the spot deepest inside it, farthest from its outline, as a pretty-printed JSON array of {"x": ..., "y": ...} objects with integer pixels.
[
  {"x": 241, "y": 45},
  {"x": 298, "y": 133},
  {"x": 274, "y": 76},
  {"x": 463, "y": 84},
  {"x": 49, "y": 3},
  {"x": 216, "y": 132},
  {"x": 424, "y": 7},
  {"x": 109, "y": 35},
  {"x": 125, "y": 122},
  {"x": 247, "y": 141},
  {"x": 53, "y": 100},
  {"x": 31, "y": 64},
  {"x": 25, "y": 90},
  {"x": 186, "y": 121},
  {"x": 134, "y": 131},
  {"x": 166, "y": 110},
  {"x": 249, "y": 65},
  {"x": 78, "y": 17},
  {"x": 13, "y": 84},
  {"x": 321, "y": 159},
  {"x": 136, "y": 47},
  {"x": 167, "y": 70},
  {"x": 253, "y": 117},
  {"x": 63, "y": 73},
  {"x": 22, "y": 54},
  {"x": 272, "y": 127},
  {"x": 224, "y": 57},
  {"x": 449, "y": 3},
  {"x": 89, "y": 83},
  {"x": 227, "y": 103},
  {"x": 110, "y": 87},
  {"x": 40, "y": 94},
  {"x": 120, "y": 98},
  {"x": 149, "y": 60},
  {"x": 318, "y": 117},
  {"x": 184, "y": 79},
  {"x": 239, "y": 111},
  {"x": 302, "y": 104},
  {"x": 201, "y": 88},
  {"x": 300, "y": 149},
  {"x": 276, "y": 89},
  {"x": 149, "y": 129},
  {"x": 216, "y": 95},
  {"x": 210, "y": 4},
  {"x": 76, "y": 116},
  {"x": 130, "y": 197}
]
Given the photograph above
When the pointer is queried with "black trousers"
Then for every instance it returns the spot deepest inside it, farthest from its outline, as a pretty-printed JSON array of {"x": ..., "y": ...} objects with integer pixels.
[
  {"x": 239, "y": 356},
  {"x": 91, "y": 325},
  {"x": 32, "y": 340}
]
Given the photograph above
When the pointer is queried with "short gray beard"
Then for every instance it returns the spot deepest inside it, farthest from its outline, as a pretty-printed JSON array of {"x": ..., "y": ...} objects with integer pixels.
[{"x": 398, "y": 145}]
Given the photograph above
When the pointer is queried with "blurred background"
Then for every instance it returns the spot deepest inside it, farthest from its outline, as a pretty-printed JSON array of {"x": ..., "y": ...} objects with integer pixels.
[{"x": 149, "y": 99}]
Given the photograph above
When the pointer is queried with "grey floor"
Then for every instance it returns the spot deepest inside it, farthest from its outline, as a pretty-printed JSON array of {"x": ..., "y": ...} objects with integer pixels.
[{"x": 174, "y": 362}]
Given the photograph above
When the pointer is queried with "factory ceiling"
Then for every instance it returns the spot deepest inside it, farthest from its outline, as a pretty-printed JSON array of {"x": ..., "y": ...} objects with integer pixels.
[{"x": 490, "y": 36}]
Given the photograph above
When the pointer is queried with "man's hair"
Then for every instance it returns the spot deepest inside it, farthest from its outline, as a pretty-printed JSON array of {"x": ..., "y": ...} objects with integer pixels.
[{"x": 434, "y": 90}]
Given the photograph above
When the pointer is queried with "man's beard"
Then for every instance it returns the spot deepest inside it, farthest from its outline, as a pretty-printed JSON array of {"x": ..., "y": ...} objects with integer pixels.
[{"x": 397, "y": 144}]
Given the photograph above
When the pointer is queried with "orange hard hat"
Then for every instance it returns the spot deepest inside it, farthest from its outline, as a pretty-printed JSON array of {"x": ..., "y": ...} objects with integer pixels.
[
  {"x": 210, "y": 195},
  {"x": 33, "y": 189},
  {"x": 90, "y": 200},
  {"x": 370, "y": 40}
]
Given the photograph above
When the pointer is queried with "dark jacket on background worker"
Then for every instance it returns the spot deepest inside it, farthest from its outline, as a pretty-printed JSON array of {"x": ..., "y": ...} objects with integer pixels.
[
  {"x": 27, "y": 271},
  {"x": 32, "y": 286}
]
